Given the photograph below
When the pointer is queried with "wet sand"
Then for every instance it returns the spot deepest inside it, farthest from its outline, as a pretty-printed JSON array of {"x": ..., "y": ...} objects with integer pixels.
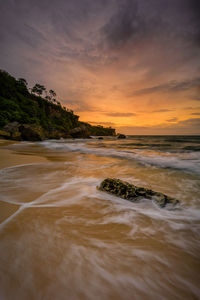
[
  {"x": 6, "y": 210},
  {"x": 61, "y": 238},
  {"x": 10, "y": 158}
]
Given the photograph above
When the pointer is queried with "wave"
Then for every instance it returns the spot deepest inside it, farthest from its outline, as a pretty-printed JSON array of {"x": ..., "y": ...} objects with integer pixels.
[
  {"x": 190, "y": 162},
  {"x": 183, "y": 139},
  {"x": 192, "y": 148},
  {"x": 147, "y": 145}
]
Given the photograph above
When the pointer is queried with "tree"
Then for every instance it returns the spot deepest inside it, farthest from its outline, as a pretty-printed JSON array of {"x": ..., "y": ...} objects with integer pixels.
[
  {"x": 48, "y": 98},
  {"x": 23, "y": 81},
  {"x": 38, "y": 89},
  {"x": 52, "y": 95},
  {"x": 22, "y": 86}
]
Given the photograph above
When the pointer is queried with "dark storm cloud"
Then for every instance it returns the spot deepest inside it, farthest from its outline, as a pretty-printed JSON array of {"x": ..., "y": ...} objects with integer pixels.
[
  {"x": 158, "y": 37},
  {"x": 58, "y": 31},
  {"x": 76, "y": 30},
  {"x": 125, "y": 24},
  {"x": 194, "y": 6},
  {"x": 170, "y": 87},
  {"x": 134, "y": 20},
  {"x": 195, "y": 114}
]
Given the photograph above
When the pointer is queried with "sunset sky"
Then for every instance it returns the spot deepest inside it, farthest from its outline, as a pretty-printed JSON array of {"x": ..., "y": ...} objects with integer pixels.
[{"x": 130, "y": 64}]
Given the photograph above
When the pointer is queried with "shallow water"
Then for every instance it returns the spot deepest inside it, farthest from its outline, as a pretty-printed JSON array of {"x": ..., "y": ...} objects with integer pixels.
[{"x": 61, "y": 238}]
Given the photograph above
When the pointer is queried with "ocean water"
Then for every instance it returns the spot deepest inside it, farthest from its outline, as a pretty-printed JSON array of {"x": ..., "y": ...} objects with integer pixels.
[{"x": 61, "y": 238}]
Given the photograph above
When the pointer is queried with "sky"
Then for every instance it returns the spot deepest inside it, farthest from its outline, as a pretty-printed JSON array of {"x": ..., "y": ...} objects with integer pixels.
[{"x": 130, "y": 64}]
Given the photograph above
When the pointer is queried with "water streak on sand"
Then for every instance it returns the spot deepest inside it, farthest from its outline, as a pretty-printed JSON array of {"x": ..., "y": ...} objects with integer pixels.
[{"x": 68, "y": 238}]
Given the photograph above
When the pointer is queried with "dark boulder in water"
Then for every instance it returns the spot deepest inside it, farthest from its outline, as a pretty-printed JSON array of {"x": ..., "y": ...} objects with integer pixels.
[
  {"x": 134, "y": 193},
  {"x": 121, "y": 136}
]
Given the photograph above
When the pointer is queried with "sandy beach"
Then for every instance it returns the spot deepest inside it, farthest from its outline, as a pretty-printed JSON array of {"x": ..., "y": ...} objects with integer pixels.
[{"x": 60, "y": 236}]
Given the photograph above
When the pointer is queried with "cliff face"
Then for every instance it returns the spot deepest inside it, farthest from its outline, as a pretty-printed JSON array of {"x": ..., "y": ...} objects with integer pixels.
[{"x": 26, "y": 116}]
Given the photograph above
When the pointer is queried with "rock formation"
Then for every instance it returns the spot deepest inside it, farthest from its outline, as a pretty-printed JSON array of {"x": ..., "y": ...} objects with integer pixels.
[
  {"x": 133, "y": 193},
  {"x": 121, "y": 136}
]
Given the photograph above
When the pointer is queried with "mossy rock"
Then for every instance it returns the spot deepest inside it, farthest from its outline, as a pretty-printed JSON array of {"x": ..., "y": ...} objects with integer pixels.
[
  {"x": 134, "y": 193},
  {"x": 5, "y": 134},
  {"x": 31, "y": 132},
  {"x": 16, "y": 135}
]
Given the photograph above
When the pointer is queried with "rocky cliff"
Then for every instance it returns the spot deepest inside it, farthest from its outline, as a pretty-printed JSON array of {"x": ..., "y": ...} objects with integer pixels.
[{"x": 26, "y": 115}]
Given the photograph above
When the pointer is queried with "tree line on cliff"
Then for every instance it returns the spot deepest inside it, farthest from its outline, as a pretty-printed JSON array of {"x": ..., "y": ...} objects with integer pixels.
[{"x": 37, "y": 109}]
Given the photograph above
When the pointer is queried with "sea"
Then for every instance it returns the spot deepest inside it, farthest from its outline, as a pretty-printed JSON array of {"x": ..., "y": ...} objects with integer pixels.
[{"x": 61, "y": 238}]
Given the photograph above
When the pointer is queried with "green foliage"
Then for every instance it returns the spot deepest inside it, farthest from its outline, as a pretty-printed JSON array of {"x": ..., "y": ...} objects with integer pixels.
[
  {"x": 99, "y": 130},
  {"x": 23, "y": 82},
  {"x": 18, "y": 104},
  {"x": 4, "y": 118},
  {"x": 38, "y": 89}
]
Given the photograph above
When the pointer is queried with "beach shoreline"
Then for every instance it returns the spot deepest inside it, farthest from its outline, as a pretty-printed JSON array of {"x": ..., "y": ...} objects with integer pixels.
[{"x": 54, "y": 219}]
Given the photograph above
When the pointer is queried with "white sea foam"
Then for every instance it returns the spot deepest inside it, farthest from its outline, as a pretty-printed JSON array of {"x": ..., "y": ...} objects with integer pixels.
[
  {"x": 189, "y": 162},
  {"x": 3, "y": 170},
  {"x": 113, "y": 248},
  {"x": 150, "y": 209}
]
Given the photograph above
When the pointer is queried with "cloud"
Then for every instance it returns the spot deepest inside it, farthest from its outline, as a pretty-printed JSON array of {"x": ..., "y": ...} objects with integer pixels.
[
  {"x": 125, "y": 24},
  {"x": 194, "y": 6},
  {"x": 117, "y": 114},
  {"x": 172, "y": 120},
  {"x": 197, "y": 98},
  {"x": 103, "y": 55},
  {"x": 191, "y": 107},
  {"x": 195, "y": 114},
  {"x": 133, "y": 21},
  {"x": 191, "y": 122},
  {"x": 170, "y": 87},
  {"x": 189, "y": 126},
  {"x": 79, "y": 105},
  {"x": 162, "y": 110}
]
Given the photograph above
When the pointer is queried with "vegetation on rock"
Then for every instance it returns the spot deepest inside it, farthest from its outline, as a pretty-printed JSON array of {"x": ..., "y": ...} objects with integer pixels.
[{"x": 25, "y": 114}]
